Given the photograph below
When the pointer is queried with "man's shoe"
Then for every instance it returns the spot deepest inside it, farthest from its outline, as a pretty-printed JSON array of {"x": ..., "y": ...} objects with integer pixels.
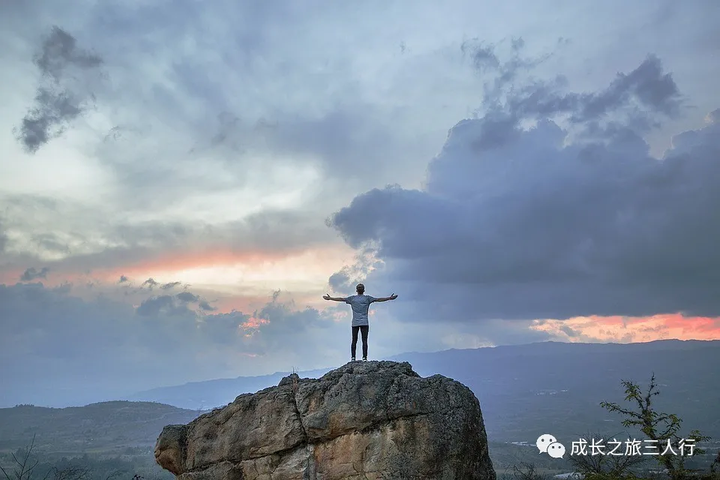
[
  {"x": 364, "y": 359},
  {"x": 352, "y": 359}
]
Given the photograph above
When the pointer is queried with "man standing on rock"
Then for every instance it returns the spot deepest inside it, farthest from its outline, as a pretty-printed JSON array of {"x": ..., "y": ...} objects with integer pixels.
[{"x": 360, "y": 304}]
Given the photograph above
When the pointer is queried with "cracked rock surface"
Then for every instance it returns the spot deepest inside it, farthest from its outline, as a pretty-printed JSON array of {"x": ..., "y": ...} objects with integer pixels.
[{"x": 369, "y": 420}]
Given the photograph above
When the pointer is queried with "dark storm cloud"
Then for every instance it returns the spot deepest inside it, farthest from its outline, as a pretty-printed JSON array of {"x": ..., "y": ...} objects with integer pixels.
[
  {"x": 31, "y": 274},
  {"x": 516, "y": 223},
  {"x": 62, "y": 95}
]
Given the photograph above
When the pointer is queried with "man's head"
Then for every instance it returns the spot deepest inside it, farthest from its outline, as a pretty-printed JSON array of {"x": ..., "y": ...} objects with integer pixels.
[{"x": 360, "y": 288}]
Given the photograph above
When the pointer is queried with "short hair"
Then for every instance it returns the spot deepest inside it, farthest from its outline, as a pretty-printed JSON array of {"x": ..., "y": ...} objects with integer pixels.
[{"x": 360, "y": 286}]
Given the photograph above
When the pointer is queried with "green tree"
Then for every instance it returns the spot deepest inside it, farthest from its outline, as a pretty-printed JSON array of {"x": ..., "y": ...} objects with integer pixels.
[{"x": 662, "y": 428}]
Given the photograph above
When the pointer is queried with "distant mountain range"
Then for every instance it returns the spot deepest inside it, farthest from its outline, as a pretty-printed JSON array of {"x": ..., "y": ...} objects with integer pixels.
[
  {"x": 524, "y": 391},
  {"x": 527, "y": 390},
  {"x": 214, "y": 393}
]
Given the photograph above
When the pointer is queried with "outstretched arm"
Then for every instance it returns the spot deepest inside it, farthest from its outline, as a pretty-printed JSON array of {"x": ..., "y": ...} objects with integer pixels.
[
  {"x": 385, "y": 299},
  {"x": 334, "y": 299}
]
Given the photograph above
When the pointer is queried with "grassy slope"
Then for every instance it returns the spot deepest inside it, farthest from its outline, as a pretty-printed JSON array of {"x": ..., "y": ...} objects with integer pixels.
[{"x": 108, "y": 427}]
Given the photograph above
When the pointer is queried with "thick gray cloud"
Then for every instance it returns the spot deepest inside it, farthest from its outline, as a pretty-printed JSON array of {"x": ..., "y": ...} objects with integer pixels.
[
  {"x": 90, "y": 240},
  {"x": 635, "y": 98},
  {"x": 62, "y": 95},
  {"x": 231, "y": 132},
  {"x": 645, "y": 91},
  {"x": 532, "y": 223},
  {"x": 206, "y": 307},
  {"x": 59, "y": 343},
  {"x": 187, "y": 297},
  {"x": 164, "y": 304},
  {"x": 32, "y": 274},
  {"x": 59, "y": 52},
  {"x": 3, "y": 238}
]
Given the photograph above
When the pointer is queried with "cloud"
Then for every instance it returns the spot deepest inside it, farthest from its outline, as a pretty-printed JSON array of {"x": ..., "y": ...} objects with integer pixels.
[
  {"x": 31, "y": 274},
  {"x": 150, "y": 284},
  {"x": 50, "y": 334},
  {"x": 164, "y": 305},
  {"x": 187, "y": 297},
  {"x": 60, "y": 52},
  {"x": 63, "y": 94},
  {"x": 623, "y": 329},
  {"x": 714, "y": 116},
  {"x": 526, "y": 221},
  {"x": 219, "y": 147},
  {"x": 640, "y": 95},
  {"x": 123, "y": 279},
  {"x": 3, "y": 238},
  {"x": 70, "y": 237},
  {"x": 634, "y": 99},
  {"x": 205, "y": 306},
  {"x": 350, "y": 275}
]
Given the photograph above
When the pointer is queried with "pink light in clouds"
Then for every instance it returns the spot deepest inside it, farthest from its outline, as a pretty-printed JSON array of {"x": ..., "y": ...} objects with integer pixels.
[
  {"x": 631, "y": 329},
  {"x": 253, "y": 322}
]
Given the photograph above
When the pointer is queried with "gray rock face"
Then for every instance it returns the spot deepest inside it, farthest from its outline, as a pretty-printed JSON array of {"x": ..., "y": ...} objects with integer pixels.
[{"x": 368, "y": 420}]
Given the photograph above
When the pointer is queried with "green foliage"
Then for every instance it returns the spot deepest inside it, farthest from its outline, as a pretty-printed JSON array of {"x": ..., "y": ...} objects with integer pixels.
[
  {"x": 654, "y": 425},
  {"x": 107, "y": 428},
  {"x": 30, "y": 464},
  {"x": 28, "y": 467},
  {"x": 663, "y": 428}
]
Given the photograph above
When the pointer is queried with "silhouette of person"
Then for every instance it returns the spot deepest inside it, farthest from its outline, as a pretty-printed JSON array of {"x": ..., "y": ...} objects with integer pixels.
[{"x": 360, "y": 304}]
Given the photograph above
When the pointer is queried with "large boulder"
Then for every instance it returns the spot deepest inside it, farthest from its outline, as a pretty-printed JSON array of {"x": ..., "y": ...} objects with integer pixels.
[{"x": 368, "y": 420}]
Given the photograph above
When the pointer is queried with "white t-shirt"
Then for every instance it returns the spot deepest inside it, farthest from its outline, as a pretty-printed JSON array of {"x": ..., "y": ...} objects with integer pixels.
[{"x": 360, "y": 305}]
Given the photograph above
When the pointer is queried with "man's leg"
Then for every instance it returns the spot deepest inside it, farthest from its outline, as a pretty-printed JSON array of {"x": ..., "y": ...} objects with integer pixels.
[
  {"x": 353, "y": 346},
  {"x": 365, "y": 329}
]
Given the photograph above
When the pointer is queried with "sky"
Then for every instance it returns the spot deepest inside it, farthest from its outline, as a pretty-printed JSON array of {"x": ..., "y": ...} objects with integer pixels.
[{"x": 181, "y": 182}]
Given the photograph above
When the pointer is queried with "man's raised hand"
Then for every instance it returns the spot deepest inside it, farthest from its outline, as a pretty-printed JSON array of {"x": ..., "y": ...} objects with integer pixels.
[
  {"x": 326, "y": 297},
  {"x": 393, "y": 296}
]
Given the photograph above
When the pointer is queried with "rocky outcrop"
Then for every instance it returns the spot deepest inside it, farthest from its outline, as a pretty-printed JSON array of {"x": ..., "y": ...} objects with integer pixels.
[{"x": 364, "y": 420}]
